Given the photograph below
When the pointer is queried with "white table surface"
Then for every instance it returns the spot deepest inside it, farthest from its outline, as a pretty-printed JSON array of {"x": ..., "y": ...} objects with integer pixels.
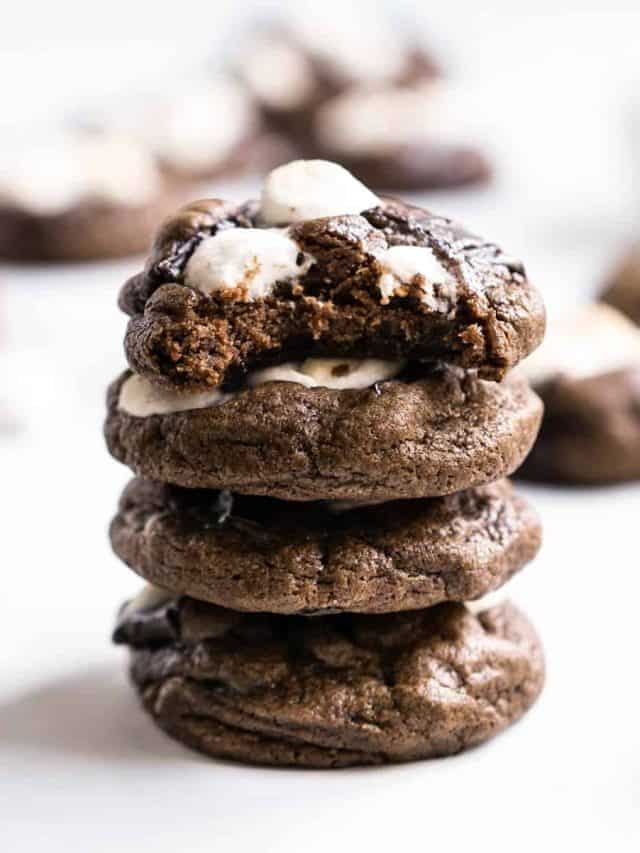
[{"x": 83, "y": 769}]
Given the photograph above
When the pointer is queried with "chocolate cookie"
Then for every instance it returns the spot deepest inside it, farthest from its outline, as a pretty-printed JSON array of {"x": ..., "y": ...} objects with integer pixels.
[
  {"x": 331, "y": 691},
  {"x": 291, "y": 70},
  {"x": 588, "y": 376},
  {"x": 398, "y": 439},
  {"x": 418, "y": 166},
  {"x": 80, "y": 196},
  {"x": 590, "y": 434},
  {"x": 260, "y": 554},
  {"x": 409, "y": 139},
  {"x": 228, "y": 289},
  {"x": 623, "y": 289}
]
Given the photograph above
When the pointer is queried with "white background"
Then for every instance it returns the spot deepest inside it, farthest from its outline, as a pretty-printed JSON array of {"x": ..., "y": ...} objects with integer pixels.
[{"x": 81, "y": 768}]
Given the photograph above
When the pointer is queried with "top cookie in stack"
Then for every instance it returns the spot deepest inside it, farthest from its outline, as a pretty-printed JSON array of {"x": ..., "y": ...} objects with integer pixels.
[
  {"x": 333, "y": 292},
  {"x": 300, "y": 366}
]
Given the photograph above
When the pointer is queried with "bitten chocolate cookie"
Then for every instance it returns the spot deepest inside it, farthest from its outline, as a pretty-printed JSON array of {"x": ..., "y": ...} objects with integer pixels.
[
  {"x": 80, "y": 196},
  {"x": 260, "y": 554},
  {"x": 331, "y": 691},
  {"x": 623, "y": 290},
  {"x": 322, "y": 267},
  {"x": 588, "y": 375},
  {"x": 378, "y": 440}
]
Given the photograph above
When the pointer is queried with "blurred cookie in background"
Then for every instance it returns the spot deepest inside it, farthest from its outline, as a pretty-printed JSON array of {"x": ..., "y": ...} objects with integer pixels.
[
  {"x": 587, "y": 373},
  {"x": 404, "y": 139},
  {"x": 78, "y": 195},
  {"x": 364, "y": 93},
  {"x": 623, "y": 288},
  {"x": 291, "y": 68},
  {"x": 207, "y": 130}
]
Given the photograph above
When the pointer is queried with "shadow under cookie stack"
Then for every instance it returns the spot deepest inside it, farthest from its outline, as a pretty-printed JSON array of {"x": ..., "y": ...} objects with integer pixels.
[{"x": 320, "y": 416}]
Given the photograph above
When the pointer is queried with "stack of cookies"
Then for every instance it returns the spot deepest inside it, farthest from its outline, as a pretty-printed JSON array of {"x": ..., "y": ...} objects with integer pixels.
[{"x": 320, "y": 416}]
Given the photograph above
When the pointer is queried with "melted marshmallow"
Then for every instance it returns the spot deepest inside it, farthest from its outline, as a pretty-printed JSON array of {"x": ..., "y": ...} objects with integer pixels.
[
  {"x": 141, "y": 399},
  {"x": 491, "y": 599},
  {"x": 149, "y": 597},
  {"x": 593, "y": 341},
  {"x": 138, "y": 397},
  {"x": 57, "y": 172},
  {"x": 252, "y": 259},
  {"x": 401, "y": 264},
  {"x": 202, "y": 126},
  {"x": 337, "y": 373},
  {"x": 311, "y": 189}
]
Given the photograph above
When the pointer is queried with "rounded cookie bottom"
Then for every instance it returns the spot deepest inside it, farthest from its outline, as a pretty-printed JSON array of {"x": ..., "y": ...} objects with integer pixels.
[{"x": 334, "y": 691}]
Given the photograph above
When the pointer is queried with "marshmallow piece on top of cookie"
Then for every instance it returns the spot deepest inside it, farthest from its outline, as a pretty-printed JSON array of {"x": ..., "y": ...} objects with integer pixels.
[
  {"x": 249, "y": 259},
  {"x": 253, "y": 260},
  {"x": 312, "y": 189},
  {"x": 593, "y": 341},
  {"x": 401, "y": 265}
]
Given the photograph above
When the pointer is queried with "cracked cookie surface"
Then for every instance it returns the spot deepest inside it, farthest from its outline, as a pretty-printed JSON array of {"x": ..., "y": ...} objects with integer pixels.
[
  {"x": 433, "y": 436},
  {"x": 260, "y": 554},
  {"x": 332, "y": 691}
]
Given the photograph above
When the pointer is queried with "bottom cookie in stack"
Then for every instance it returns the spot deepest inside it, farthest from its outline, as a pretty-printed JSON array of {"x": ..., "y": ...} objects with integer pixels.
[{"x": 334, "y": 690}]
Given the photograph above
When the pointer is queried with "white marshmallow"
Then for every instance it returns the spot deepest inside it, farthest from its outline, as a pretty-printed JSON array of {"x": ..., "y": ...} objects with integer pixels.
[
  {"x": 591, "y": 341},
  {"x": 149, "y": 597},
  {"x": 311, "y": 189},
  {"x": 401, "y": 264},
  {"x": 253, "y": 259},
  {"x": 65, "y": 169},
  {"x": 202, "y": 126},
  {"x": 374, "y": 121},
  {"x": 337, "y": 373},
  {"x": 138, "y": 397},
  {"x": 277, "y": 73},
  {"x": 489, "y": 600}
]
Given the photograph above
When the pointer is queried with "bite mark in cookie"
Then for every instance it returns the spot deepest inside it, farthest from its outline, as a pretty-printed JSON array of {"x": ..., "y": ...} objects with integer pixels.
[{"x": 388, "y": 282}]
